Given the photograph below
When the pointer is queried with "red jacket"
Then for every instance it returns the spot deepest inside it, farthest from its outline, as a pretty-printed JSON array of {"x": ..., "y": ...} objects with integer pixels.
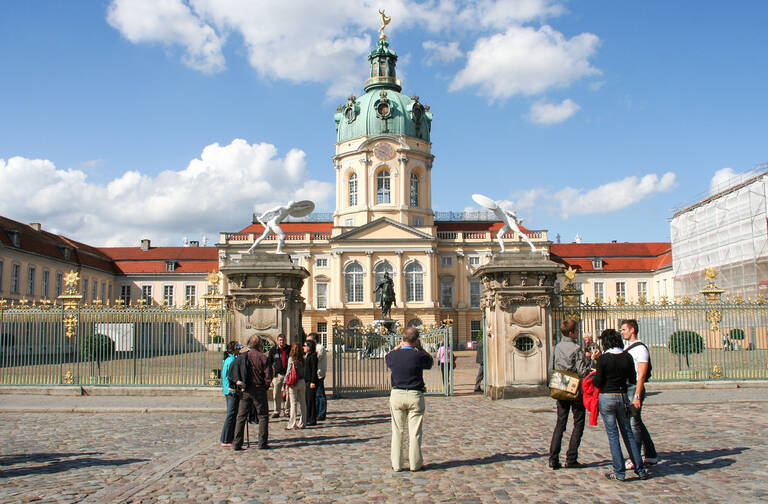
[{"x": 589, "y": 396}]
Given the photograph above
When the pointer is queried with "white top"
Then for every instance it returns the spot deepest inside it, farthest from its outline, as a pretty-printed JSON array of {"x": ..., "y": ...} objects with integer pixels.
[
  {"x": 322, "y": 361},
  {"x": 639, "y": 353}
]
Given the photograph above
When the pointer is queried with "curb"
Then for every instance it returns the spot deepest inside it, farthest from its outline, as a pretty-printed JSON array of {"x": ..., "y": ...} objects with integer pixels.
[{"x": 138, "y": 391}]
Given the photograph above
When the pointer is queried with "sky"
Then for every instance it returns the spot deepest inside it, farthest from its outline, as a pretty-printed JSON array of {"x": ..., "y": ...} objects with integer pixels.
[{"x": 166, "y": 119}]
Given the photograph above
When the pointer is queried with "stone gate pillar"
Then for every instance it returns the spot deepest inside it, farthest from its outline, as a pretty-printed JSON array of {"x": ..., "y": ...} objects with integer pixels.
[
  {"x": 518, "y": 290},
  {"x": 265, "y": 295}
]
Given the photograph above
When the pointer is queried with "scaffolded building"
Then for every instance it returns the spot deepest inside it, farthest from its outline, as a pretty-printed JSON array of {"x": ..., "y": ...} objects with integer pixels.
[{"x": 727, "y": 231}]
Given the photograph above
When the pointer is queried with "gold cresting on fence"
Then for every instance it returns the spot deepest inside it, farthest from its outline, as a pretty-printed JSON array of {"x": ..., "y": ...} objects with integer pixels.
[
  {"x": 708, "y": 337},
  {"x": 69, "y": 341}
]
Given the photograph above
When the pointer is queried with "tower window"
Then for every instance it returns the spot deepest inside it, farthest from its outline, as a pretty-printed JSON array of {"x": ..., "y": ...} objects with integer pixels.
[
  {"x": 353, "y": 190},
  {"x": 382, "y": 187},
  {"x": 414, "y": 190}
]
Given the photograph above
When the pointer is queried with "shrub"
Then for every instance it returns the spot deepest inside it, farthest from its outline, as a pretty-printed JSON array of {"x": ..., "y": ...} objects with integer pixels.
[
  {"x": 685, "y": 343},
  {"x": 97, "y": 346},
  {"x": 737, "y": 334},
  {"x": 218, "y": 339}
]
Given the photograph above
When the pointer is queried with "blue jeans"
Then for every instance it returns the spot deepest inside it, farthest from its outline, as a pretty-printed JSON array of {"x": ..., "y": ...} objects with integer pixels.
[
  {"x": 642, "y": 437},
  {"x": 320, "y": 400},
  {"x": 228, "y": 431},
  {"x": 613, "y": 409}
]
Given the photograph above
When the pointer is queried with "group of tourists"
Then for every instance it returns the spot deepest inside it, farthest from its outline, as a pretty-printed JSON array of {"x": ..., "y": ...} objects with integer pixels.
[
  {"x": 295, "y": 374},
  {"x": 613, "y": 385}
]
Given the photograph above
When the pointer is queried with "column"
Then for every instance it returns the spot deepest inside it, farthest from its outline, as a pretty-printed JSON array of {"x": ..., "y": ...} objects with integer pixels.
[{"x": 368, "y": 297}]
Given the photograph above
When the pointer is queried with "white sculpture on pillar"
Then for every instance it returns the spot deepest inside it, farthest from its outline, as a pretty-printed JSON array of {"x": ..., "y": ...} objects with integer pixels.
[
  {"x": 508, "y": 217},
  {"x": 272, "y": 218}
]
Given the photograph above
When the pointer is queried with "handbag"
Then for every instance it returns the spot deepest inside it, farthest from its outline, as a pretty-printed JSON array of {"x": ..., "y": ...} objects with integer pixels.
[
  {"x": 564, "y": 385},
  {"x": 292, "y": 378}
]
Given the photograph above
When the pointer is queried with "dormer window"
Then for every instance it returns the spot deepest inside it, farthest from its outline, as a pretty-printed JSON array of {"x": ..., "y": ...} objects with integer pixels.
[
  {"x": 597, "y": 263},
  {"x": 14, "y": 236},
  {"x": 170, "y": 266},
  {"x": 66, "y": 252}
]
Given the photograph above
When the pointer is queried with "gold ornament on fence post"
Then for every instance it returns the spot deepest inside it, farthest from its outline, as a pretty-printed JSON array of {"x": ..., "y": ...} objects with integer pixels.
[
  {"x": 571, "y": 294},
  {"x": 213, "y": 303},
  {"x": 70, "y": 301},
  {"x": 712, "y": 292}
]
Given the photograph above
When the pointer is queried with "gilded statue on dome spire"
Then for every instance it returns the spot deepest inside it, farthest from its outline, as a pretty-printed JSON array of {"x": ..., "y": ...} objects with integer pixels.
[{"x": 384, "y": 22}]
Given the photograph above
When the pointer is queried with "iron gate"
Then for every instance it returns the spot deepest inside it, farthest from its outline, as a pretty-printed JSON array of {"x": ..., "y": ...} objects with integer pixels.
[{"x": 359, "y": 368}]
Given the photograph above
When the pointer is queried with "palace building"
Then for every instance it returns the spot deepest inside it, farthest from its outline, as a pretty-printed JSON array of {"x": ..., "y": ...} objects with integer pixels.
[{"x": 384, "y": 222}]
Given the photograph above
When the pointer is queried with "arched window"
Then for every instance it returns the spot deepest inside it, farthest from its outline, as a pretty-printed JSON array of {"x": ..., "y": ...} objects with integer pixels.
[
  {"x": 382, "y": 187},
  {"x": 417, "y": 323},
  {"x": 353, "y": 190},
  {"x": 414, "y": 190},
  {"x": 378, "y": 275},
  {"x": 414, "y": 282},
  {"x": 353, "y": 283}
]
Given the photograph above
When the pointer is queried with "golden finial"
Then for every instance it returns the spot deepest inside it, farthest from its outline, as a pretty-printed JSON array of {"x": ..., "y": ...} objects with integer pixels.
[
  {"x": 570, "y": 274},
  {"x": 384, "y": 22},
  {"x": 710, "y": 273},
  {"x": 214, "y": 277}
]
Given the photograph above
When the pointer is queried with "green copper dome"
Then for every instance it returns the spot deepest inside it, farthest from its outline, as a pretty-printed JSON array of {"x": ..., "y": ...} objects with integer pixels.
[{"x": 383, "y": 109}]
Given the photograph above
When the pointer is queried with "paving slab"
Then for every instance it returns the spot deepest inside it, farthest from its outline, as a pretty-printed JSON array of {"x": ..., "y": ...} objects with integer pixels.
[{"x": 712, "y": 447}]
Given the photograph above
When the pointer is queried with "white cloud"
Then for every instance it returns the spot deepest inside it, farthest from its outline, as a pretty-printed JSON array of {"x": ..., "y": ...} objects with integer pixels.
[
  {"x": 441, "y": 52},
  {"x": 552, "y": 113},
  {"x": 169, "y": 22},
  {"x": 525, "y": 60},
  {"x": 306, "y": 40},
  {"x": 215, "y": 192},
  {"x": 613, "y": 195},
  {"x": 727, "y": 177}
]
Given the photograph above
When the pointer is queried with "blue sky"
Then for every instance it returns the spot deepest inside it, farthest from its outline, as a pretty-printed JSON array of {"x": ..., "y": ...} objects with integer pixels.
[{"x": 120, "y": 119}]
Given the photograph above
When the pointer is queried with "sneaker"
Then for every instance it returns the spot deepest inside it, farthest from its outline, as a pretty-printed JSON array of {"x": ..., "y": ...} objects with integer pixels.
[
  {"x": 644, "y": 476},
  {"x": 650, "y": 460},
  {"x": 612, "y": 476},
  {"x": 554, "y": 465},
  {"x": 574, "y": 465},
  {"x": 628, "y": 464},
  {"x": 226, "y": 444}
]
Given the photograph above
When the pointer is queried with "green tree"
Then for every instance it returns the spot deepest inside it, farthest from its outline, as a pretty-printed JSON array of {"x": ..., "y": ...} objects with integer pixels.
[
  {"x": 96, "y": 347},
  {"x": 685, "y": 343},
  {"x": 737, "y": 334}
]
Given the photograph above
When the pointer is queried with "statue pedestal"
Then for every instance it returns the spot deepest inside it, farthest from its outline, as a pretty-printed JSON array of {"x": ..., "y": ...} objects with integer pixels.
[
  {"x": 518, "y": 288},
  {"x": 389, "y": 324},
  {"x": 264, "y": 292}
]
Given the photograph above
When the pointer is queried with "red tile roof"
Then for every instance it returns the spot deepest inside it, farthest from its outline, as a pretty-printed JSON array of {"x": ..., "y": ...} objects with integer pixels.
[
  {"x": 186, "y": 259},
  {"x": 294, "y": 227},
  {"x": 615, "y": 256},
  {"x": 52, "y": 245}
]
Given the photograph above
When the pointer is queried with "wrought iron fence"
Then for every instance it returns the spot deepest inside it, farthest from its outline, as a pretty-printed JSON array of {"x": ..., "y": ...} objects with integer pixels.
[
  {"x": 359, "y": 367},
  {"x": 708, "y": 338},
  {"x": 75, "y": 344}
]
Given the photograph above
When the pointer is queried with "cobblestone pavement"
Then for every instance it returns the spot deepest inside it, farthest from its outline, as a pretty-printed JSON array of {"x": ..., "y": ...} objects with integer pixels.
[{"x": 476, "y": 451}]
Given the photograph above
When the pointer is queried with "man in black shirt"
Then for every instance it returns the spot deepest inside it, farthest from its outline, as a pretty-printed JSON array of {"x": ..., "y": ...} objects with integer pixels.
[
  {"x": 407, "y": 360},
  {"x": 252, "y": 377},
  {"x": 277, "y": 361}
]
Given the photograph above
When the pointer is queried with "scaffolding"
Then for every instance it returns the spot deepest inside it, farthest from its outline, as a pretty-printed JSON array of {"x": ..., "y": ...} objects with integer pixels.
[{"x": 728, "y": 231}]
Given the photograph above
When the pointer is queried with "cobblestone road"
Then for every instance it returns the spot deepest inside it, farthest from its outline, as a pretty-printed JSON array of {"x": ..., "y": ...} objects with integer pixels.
[{"x": 476, "y": 451}]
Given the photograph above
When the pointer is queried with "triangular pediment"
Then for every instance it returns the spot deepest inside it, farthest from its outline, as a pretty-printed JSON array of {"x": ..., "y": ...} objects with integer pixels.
[{"x": 383, "y": 229}]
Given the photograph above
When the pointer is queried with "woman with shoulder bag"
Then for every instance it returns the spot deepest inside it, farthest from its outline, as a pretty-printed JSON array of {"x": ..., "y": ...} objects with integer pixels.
[
  {"x": 294, "y": 380},
  {"x": 615, "y": 369}
]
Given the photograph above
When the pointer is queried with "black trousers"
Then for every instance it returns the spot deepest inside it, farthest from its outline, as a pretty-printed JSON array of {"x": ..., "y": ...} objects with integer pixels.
[
  {"x": 479, "y": 379},
  {"x": 563, "y": 407},
  {"x": 256, "y": 398},
  {"x": 311, "y": 398}
]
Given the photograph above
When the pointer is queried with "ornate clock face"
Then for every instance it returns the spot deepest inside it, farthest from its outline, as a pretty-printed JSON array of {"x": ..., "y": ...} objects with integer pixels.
[{"x": 384, "y": 151}]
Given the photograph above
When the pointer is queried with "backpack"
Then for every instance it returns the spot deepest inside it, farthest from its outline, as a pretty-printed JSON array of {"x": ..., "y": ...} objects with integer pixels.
[{"x": 650, "y": 366}]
